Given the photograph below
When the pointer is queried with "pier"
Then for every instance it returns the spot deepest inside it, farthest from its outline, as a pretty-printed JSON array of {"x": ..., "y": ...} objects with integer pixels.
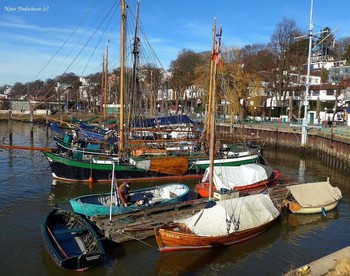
[{"x": 141, "y": 224}]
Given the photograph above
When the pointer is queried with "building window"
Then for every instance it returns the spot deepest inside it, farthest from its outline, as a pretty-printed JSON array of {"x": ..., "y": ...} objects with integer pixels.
[
  {"x": 330, "y": 92},
  {"x": 316, "y": 93}
]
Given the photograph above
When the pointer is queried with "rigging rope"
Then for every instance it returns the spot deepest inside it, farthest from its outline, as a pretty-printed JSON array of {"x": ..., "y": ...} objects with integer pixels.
[{"x": 136, "y": 239}]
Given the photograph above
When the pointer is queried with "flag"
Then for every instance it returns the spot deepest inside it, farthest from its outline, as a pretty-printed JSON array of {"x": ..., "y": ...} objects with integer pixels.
[
  {"x": 219, "y": 33},
  {"x": 217, "y": 56}
]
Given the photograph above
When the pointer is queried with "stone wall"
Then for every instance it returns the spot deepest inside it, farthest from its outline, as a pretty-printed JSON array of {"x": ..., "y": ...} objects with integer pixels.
[{"x": 333, "y": 149}]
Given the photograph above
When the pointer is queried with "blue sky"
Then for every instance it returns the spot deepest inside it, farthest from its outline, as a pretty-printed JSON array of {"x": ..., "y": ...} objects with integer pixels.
[{"x": 45, "y": 38}]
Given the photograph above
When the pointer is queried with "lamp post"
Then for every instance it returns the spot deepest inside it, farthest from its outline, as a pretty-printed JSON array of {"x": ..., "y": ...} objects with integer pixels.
[{"x": 304, "y": 124}]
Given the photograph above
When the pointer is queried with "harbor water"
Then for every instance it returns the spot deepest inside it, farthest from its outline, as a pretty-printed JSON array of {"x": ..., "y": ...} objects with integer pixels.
[{"x": 28, "y": 193}]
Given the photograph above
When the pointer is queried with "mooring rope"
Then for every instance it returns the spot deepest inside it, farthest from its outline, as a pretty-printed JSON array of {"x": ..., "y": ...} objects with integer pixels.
[
  {"x": 84, "y": 207},
  {"x": 136, "y": 239}
]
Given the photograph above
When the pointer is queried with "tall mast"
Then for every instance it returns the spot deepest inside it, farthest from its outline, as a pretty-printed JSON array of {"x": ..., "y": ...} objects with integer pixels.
[
  {"x": 122, "y": 61},
  {"x": 212, "y": 88},
  {"x": 304, "y": 126},
  {"x": 210, "y": 96},
  {"x": 102, "y": 89},
  {"x": 136, "y": 51},
  {"x": 106, "y": 84},
  {"x": 151, "y": 99}
]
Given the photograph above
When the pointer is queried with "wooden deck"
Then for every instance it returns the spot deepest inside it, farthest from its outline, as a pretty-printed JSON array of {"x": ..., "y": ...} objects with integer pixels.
[
  {"x": 279, "y": 193},
  {"x": 141, "y": 224}
]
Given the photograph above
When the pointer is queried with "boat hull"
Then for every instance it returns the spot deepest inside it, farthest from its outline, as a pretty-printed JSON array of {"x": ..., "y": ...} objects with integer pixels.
[
  {"x": 203, "y": 188},
  {"x": 234, "y": 161},
  {"x": 71, "y": 241},
  {"x": 297, "y": 209},
  {"x": 67, "y": 169},
  {"x": 168, "y": 239},
  {"x": 99, "y": 204},
  {"x": 311, "y": 198}
]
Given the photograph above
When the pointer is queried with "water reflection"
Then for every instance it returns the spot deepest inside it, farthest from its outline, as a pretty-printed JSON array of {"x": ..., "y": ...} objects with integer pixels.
[
  {"x": 297, "y": 226},
  {"x": 301, "y": 174}
]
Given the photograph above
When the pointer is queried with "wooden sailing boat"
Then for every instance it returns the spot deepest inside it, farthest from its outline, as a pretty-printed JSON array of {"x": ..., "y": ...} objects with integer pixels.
[
  {"x": 220, "y": 222},
  {"x": 310, "y": 198},
  {"x": 249, "y": 178}
]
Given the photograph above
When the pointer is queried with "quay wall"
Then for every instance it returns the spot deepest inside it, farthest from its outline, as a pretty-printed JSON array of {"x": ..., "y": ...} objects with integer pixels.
[{"x": 330, "y": 146}]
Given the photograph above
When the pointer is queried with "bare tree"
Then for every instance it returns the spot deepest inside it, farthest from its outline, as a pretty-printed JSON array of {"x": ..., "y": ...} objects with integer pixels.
[
  {"x": 257, "y": 58},
  {"x": 282, "y": 42},
  {"x": 18, "y": 89},
  {"x": 342, "y": 49},
  {"x": 182, "y": 71}
]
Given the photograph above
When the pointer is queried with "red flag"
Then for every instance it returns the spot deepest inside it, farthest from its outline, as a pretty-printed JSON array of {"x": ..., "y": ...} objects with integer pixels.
[{"x": 217, "y": 58}]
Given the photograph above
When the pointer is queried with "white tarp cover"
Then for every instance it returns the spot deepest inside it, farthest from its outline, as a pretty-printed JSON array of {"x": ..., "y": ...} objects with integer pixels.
[
  {"x": 229, "y": 177},
  {"x": 232, "y": 215},
  {"x": 315, "y": 194}
]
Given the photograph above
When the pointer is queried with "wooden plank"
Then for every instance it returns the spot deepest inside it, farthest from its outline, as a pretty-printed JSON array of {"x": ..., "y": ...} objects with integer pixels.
[
  {"x": 56, "y": 242},
  {"x": 278, "y": 194},
  {"x": 141, "y": 224},
  {"x": 170, "y": 165},
  {"x": 25, "y": 148},
  {"x": 70, "y": 230}
]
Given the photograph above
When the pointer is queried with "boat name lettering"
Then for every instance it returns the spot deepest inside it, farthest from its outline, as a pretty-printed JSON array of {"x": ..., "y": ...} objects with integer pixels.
[
  {"x": 173, "y": 236},
  {"x": 91, "y": 258}
]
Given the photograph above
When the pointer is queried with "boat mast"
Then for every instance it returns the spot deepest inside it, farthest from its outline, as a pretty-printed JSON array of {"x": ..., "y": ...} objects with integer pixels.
[
  {"x": 151, "y": 100},
  {"x": 304, "y": 126},
  {"x": 136, "y": 52},
  {"x": 208, "y": 118},
  {"x": 122, "y": 61},
  {"x": 212, "y": 108},
  {"x": 102, "y": 89},
  {"x": 106, "y": 83}
]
